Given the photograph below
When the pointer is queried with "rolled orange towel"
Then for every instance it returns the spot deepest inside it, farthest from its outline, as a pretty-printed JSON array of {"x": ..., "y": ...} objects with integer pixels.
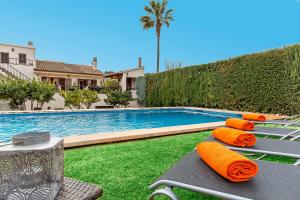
[
  {"x": 254, "y": 117},
  {"x": 234, "y": 137},
  {"x": 240, "y": 124},
  {"x": 227, "y": 163}
]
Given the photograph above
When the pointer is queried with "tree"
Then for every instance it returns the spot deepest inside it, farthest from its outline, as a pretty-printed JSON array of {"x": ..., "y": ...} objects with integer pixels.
[
  {"x": 111, "y": 85},
  {"x": 46, "y": 94},
  {"x": 119, "y": 98},
  {"x": 40, "y": 92},
  {"x": 16, "y": 92},
  {"x": 173, "y": 65},
  {"x": 109, "y": 72},
  {"x": 72, "y": 98},
  {"x": 79, "y": 98},
  {"x": 157, "y": 15},
  {"x": 33, "y": 92},
  {"x": 89, "y": 97},
  {"x": 125, "y": 98}
]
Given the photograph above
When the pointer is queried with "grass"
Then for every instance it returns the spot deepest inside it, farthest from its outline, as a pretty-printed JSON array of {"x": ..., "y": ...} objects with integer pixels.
[{"x": 125, "y": 170}]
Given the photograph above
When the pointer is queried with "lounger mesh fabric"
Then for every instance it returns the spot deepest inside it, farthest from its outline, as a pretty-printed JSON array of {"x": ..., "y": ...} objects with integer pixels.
[
  {"x": 273, "y": 131},
  {"x": 273, "y": 182},
  {"x": 279, "y": 122},
  {"x": 269, "y": 146}
]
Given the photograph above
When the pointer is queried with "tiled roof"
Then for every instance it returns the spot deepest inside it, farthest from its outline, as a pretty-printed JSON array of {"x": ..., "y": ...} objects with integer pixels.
[
  {"x": 124, "y": 71},
  {"x": 53, "y": 66}
]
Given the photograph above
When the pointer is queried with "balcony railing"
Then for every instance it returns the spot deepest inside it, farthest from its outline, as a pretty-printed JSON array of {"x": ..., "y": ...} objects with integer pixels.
[{"x": 17, "y": 61}]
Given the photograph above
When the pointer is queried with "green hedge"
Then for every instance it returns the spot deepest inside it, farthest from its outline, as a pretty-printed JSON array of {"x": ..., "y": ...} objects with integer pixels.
[
  {"x": 265, "y": 82},
  {"x": 141, "y": 89}
]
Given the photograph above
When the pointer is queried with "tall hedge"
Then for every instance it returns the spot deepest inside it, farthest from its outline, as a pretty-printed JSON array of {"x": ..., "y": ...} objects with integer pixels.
[
  {"x": 141, "y": 89},
  {"x": 265, "y": 82}
]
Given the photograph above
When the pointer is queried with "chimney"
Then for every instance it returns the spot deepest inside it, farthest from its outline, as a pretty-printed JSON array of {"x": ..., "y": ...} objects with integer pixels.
[
  {"x": 140, "y": 62},
  {"x": 94, "y": 63},
  {"x": 30, "y": 43}
]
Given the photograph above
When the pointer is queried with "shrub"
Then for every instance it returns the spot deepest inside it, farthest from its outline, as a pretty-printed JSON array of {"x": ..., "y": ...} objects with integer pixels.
[
  {"x": 89, "y": 97},
  {"x": 72, "y": 98},
  {"x": 119, "y": 98},
  {"x": 111, "y": 85},
  {"x": 80, "y": 98},
  {"x": 17, "y": 92},
  {"x": 265, "y": 82},
  {"x": 40, "y": 92}
]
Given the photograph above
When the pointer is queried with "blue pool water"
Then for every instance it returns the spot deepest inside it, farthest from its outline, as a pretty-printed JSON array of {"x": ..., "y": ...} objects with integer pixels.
[{"x": 77, "y": 123}]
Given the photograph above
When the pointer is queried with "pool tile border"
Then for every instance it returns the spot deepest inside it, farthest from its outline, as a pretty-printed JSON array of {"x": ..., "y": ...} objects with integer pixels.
[{"x": 269, "y": 116}]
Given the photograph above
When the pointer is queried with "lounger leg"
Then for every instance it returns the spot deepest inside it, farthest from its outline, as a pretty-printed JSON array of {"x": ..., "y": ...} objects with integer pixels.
[
  {"x": 297, "y": 162},
  {"x": 248, "y": 154},
  {"x": 165, "y": 191},
  {"x": 262, "y": 156},
  {"x": 295, "y": 138},
  {"x": 290, "y": 135}
]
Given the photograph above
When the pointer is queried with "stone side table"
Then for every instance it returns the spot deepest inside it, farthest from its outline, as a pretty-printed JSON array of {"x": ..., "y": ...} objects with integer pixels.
[{"x": 30, "y": 170}]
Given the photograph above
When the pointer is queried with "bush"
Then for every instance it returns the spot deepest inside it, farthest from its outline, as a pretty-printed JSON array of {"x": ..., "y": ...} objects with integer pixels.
[
  {"x": 265, "y": 82},
  {"x": 111, "y": 85},
  {"x": 119, "y": 98},
  {"x": 72, "y": 98},
  {"x": 17, "y": 92},
  {"x": 80, "y": 98},
  {"x": 96, "y": 88},
  {"x": 40, "y": 92},
  {"x": 89, "y": 97}
]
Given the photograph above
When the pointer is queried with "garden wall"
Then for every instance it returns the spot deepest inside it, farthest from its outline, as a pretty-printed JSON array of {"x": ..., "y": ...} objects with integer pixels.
[{"x": 266, "y": 82}]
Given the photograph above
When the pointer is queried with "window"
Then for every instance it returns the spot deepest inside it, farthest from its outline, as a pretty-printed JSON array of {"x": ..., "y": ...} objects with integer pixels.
[
  {"x": 22, "y": 58},
  {"x": 4, "y": 57},
  {"x": 94, "y": 82}
]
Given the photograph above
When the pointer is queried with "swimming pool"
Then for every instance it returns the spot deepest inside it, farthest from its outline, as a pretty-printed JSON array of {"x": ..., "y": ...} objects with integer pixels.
[{"x": 87, "y": 122}]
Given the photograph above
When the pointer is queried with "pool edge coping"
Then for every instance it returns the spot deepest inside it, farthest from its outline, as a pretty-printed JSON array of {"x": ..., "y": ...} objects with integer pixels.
[
  {"x": 276, "y": 116},
  {"x": 110, "y": 137}
]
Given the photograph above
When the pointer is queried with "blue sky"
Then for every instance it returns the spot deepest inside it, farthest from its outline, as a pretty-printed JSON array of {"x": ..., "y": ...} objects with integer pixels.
[{"x": 204, "y": 30}]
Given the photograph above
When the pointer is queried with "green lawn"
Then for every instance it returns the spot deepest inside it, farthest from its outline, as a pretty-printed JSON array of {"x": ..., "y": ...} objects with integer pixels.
[{"x": 125, "y": 170}]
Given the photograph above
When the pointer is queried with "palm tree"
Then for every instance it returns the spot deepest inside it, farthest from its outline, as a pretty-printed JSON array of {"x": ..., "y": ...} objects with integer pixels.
[{"x": 157, "y": 15}]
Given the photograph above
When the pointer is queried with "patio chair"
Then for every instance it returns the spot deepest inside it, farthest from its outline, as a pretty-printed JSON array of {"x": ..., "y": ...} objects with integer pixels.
[
  {"x": 283, "y": 133},
  {"x": 274, "y": 181},
  {"x": 288, "y": 121},
  {"x": 268, "y": 147}
]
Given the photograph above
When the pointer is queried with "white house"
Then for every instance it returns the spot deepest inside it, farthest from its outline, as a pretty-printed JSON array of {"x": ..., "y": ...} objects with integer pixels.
[
  {"x": 17, "y": 60},
  {"x": 20, "y": 62},
  {"x": 127, "y": 78}
]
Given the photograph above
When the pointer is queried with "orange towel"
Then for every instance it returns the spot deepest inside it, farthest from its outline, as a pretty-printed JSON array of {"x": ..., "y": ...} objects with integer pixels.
[
  {"x": 227, "y": 163},
  {"x": 234, "y": 137},
  {"x": 254, "y": 117},
  {"x": 240, "y": 124}
]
